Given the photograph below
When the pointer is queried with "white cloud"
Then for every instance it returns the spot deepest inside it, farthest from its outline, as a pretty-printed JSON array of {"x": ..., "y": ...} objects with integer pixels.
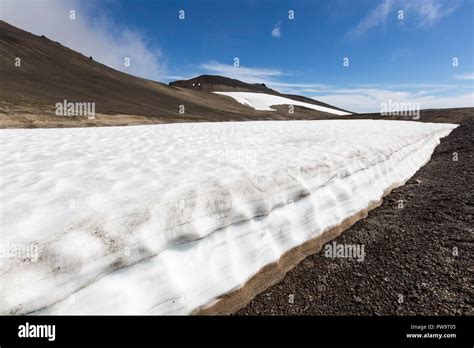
[
  {"x": 249, "y": 75},
  {"x": 370, "y": 100},
  {"x": 298, "y": 87},
  {"x": 376, "y": 17},
  {"x": 430, "y": 11},
  {"x": 99, "y": 37},
  {"x": 466, "y": 76},
  {"x": 422, "y": 12}
]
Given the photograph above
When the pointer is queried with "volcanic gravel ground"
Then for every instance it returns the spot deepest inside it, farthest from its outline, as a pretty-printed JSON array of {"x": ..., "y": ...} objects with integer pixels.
[{"x": 418, "y": 259}]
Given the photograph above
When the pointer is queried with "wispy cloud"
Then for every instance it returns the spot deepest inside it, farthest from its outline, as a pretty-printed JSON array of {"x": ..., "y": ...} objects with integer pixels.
[
  {"x": 422, "y": 12},
  {"x": 246, "y": 74},
  {"x": 100, "y": 38},
  {"x": 375, "y": 18},
  {"x": 370, "y": 99},
  {"x": 273, "y": 78},
  {"x": 299, "y": 87},
  {"x": 466, "y": 76},
  {"x": 430, "y": 11}
]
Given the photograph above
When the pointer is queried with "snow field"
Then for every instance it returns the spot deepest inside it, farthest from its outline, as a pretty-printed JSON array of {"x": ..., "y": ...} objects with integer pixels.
[{"x": 164, "y": 219}]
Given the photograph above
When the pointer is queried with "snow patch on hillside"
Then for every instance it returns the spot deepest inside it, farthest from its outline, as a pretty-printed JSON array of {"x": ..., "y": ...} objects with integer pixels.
[{"x": 263, "y": 101}]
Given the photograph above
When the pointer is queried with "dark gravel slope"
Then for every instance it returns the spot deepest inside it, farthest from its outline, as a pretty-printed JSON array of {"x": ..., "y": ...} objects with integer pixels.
[{"x": 418, "y": 259}]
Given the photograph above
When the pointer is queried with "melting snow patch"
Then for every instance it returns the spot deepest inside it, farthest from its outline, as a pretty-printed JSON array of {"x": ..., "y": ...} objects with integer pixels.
[
  {"x": 262, "y": 101},
  {"x": 166, "y": 218}
]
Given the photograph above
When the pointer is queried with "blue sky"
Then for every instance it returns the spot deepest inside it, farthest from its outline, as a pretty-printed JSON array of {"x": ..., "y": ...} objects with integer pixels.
[{"x": 407, "y": 59}]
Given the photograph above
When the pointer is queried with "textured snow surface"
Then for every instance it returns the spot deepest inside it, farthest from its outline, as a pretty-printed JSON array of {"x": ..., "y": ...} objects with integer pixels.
[
  {"x": 166, "y": 218},
  {"x": 262, "y": 101}
]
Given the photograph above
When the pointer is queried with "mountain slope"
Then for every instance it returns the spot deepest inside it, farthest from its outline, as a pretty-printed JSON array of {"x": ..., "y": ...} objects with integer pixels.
[
  {"x": 51, "y": 73},
  {"x": 215, "y": 83}
]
